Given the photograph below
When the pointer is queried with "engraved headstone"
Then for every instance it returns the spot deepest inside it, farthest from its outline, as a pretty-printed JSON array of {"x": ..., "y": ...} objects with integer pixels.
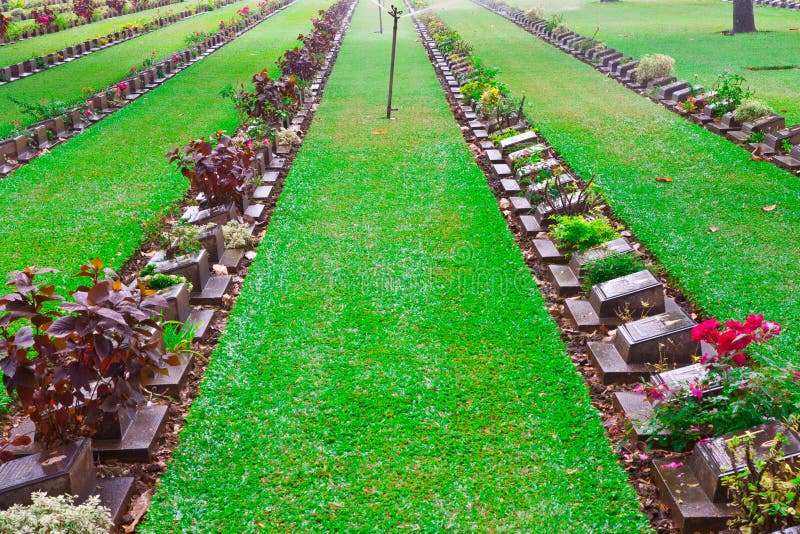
[
  {"x": 666, "y": 336},
  {"x": 635, "y": 294},
  {"x": 581, "y": 259}
]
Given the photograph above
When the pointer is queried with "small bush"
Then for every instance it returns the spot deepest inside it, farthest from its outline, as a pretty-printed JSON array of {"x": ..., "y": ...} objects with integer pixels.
[
  {"x": 751, "y": 109},
  {"x": 56, "y": 514},
  {"x": 535, "y": 13},
  {"x": 237, "y": 235},
  {"x": 609, "y": 268},
  {"x": 654, "y": 66},
  {"x": 576, "y": 232},
  {"x": 285, "y": 136}
]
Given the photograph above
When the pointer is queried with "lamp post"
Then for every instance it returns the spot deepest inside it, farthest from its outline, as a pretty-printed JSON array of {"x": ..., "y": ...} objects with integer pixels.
[
  {"x": 380, "y": 16},
  {"x": 395, "y": 13}
]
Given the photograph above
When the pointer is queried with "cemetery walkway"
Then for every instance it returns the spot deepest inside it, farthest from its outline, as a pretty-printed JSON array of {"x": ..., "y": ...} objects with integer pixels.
[
  {"x": 389, "y": 364},
  {"x": 725, "y": 227}
]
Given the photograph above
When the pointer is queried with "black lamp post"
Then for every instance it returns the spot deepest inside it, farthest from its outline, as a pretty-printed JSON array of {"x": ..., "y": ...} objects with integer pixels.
[{"x": 395, "y": 13}]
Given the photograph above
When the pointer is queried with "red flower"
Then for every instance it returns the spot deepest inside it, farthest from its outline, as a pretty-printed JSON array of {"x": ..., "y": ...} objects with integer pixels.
[
  {"x": 697, "y": 391},
  {"x": 706, "y": 331},
  {"x": 730, "y": 341},
  {"x": 739, "y": 359}
]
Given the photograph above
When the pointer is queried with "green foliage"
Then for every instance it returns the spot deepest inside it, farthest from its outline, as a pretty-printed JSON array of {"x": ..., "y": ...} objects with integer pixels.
[
  {"x": 756, "y": 137},
  {"x": 150, "y": 278},
  {"x": 764, "y": 490},
  {"x": 609, "y": 268},
  {"x": 751, "y": 109},
  {"x": 553, "y": 22},
  {"x": 576, "y": 232},
  {"x": 46, "y": 515},
  {"x": 178, "y": 336},
  {"x": 730, "y": 92},
  {"x": 499, "y": 136}
]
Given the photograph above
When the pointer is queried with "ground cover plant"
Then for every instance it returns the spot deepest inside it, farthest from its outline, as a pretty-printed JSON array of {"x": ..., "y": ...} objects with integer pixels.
[
  {"x": 687, "y": 30},
  {"x": 364, "y": 369},
  {"x": 687, "y": 194},
  {"x": 124, "y": 178},
  {"x": 69, "y": 83},
  {"x": 22, "y": 50}
]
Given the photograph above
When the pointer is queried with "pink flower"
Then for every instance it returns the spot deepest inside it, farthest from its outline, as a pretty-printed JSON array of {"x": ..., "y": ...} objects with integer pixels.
[
  {"x": 133, "y": 69},
  {"x": 697, "y": 392},
  {"x": 121, "y": 86},
  {"x": 643, "y": 457},
  {"x": 673, "y": 465},
  {"x": 704, "y": 440},
  {"x": 795, "y": 376}
]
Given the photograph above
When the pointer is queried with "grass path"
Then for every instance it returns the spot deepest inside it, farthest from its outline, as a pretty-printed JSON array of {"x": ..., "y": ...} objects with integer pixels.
[
  {"x": 100, "y": 69},
  {"x": 691, "y": 32},
  {"x": 748, "y": 264},
  {"x": 389, "y": 365},
  {"x": 89, "y": 197},
  {"x": 44, "y": 44}
]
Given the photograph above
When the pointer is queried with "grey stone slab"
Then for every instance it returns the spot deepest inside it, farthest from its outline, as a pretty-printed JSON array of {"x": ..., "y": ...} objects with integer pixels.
[
  {"x": 529, "y": 225},
  {"x": 665, "y": 337},
  {"x": 635, "y": 295},
  {"x": 212, "y": 292},
  {"x": 140, "y": 440},
  {"x": 255, "y": 211},
  {"x": 172, "y": 383},
  {"x": 524, "y": 137},
  {"x": 520, "y": 204},
  {"x": 270, "y": 177},
  {"x": 502, "y": 170},
  {"x": 611, "y": 368},
  {"x": 262, "y": 192},
  {"x": 580, "y": 260},
  {"x": 546, "y": 250},
  {"x": 510, "y": 186},
  {"x": 200, "y": 319},
  {"x": 565, "y": 283},
  {"x": 494, "y": 155},
  {"x": 232, "y": 257}
]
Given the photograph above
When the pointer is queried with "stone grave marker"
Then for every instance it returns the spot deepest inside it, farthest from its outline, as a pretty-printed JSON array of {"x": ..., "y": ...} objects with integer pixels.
[
  {"x": 634, "y": 295},
  {"x": 581, "y": 259},
  {"x": 665, "y": 338}
]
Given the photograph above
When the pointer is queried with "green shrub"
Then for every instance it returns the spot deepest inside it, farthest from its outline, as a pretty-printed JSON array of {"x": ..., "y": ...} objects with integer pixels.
[
  {"x": 56, "y": 514},
  {"x": 751, "y": 109},
  {"x": 577, "y": 233},
  {"x": 609, "y": 268},
  {"x": 654, "y": 66}
]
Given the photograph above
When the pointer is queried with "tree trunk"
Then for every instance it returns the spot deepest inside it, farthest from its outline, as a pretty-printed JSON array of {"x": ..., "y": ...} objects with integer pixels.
[{"x": 743, "y": 18}]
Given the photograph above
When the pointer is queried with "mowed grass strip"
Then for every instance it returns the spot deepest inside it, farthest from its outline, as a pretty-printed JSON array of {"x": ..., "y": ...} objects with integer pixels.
[
  {"x": 68, "y": 83},
  {"x": 90, "y": 197},
  {"x": 389, "y": 364},
  {"x": 691, "y": 31},
  {"x": 707, "y": 226},
  {"x": 44, "y": 44}
]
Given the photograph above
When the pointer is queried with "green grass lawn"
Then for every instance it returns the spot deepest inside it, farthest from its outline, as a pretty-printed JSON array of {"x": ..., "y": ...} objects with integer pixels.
[
  {"x": 44, "y": 44},
  {"x": 97, "y": 71},
  {"x": 390, "y": 365},
  {"x": 749, "y": 264},
  {"x": 690, "y": 31},
  {"x": 89, "y": 197}
]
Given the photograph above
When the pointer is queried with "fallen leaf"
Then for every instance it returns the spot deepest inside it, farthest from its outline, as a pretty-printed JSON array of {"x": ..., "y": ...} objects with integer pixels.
[
  {"x": 378, "y": 132},
  {"x": 138, "y": 509},
  {"x": 713, "y": 229},
  {"x": 771, "y": 207},
  {"x": 664, "y": 179}
]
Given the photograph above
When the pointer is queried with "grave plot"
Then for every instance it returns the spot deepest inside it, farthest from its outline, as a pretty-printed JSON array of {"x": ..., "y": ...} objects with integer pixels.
[
  {"x": 729, "y": 109},
  {"x": 659, "y": 175},
  {"x": 22, "y": 66},
  {"x": 38, "y": 28},
  {"x": 364, "y": 269},
  {"x": 44, "y": 135},
  {"x": 131, "y": 436},
  {"x": 65, "y": 87},
  {"x": 719, "y": 380}
]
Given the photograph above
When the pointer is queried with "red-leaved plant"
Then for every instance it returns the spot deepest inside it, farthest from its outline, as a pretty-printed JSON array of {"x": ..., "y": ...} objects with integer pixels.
[
  {"x": 5, "y": 22},
  {"x": 75, "y": 366},
  {"x": 217, "y": 168},
  {"x": 116, "y": 5},
  {"x": 83, "y": 9}
]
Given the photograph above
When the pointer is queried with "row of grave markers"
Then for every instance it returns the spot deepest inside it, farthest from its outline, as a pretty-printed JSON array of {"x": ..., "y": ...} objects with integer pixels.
[
  {"x": 37, "y": 31},
  {"x": 134, "y": 437},
  {"x": 662, "y": 335},
  {"x": 44, "y": 135},
  {"x": 669, "y": 92},
  {"x": 35, "y": 65}
]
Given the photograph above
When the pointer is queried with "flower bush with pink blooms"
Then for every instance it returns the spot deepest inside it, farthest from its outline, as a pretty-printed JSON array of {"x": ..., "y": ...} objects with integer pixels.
[{"x": 735, "y": 391}]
